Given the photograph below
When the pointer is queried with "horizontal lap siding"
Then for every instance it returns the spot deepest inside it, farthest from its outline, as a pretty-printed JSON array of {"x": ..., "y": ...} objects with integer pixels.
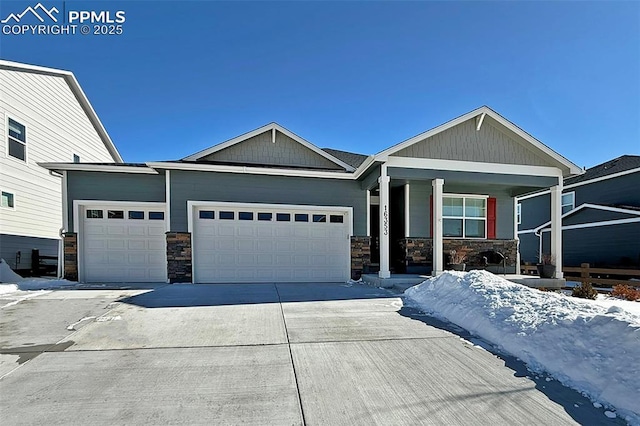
[
  {"x": 11, "y": 244},
  {"x": 622, "y": 190},
  {"x": 113, "y": 187},
  {"x": 535, "y": 211},
  {"x": 245, "y": 188}
]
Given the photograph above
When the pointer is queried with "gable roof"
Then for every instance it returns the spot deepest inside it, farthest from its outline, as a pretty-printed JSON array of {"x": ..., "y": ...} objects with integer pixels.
[
  {"x": 78, "y": 93},
  {"x": 479, "y": 114},
  {"x": 621, "y": 164},
  {"x": 271, "y": 127},
  {"x": 350, "y": 158}
]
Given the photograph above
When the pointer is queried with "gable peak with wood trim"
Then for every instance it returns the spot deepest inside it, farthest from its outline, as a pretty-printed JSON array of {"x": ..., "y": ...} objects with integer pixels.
[
  {"x": 484, "y": 136},
  {"x": 271, "y": 145}
]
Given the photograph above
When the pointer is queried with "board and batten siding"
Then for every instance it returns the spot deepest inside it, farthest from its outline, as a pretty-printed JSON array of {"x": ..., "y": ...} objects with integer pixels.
[
  {"x": 56, "y": 128},
  {"x": 113, "y": 187},
  {"x": 464, "y": 143},
  {"x": 246, "y": 188},
  {"x": 260, "y": 149}
]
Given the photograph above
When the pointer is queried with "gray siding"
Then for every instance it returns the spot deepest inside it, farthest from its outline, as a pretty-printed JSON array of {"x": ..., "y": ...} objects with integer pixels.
[
  {"x": 11, "y": 244},
  {"x": 420, "y": 210},
  {"x": 529, "y": 247},
  {"x": 623, "y": 190},
  {"x": 260, "y": 150},
  {"x": 589, "y": 215},
  {"x": 535, "y": 211},
  {"x": 113, "y": 187},
  {"x": 245, "y": 188},
  {"x": 463, "y": 142}
]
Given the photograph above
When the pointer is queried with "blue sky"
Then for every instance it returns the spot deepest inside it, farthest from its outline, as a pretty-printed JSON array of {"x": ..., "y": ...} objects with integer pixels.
[{"x": 357, "y": 76}]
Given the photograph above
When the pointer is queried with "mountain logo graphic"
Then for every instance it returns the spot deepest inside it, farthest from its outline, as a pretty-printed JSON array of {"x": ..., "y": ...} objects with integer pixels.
[{"x": 43, "y": 11}]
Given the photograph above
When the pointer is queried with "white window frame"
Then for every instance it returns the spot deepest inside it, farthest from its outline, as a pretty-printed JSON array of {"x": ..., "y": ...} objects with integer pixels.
[
  {"x": 9, "y": 138},
  {"x": 572, "y": 204},
  {"x": 464, "y": 218},
  {"x": 13, "y": 194},
  {"x": 519, "y": 214}
]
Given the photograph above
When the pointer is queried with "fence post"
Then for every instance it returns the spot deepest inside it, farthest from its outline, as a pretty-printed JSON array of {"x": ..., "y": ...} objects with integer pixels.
[{"x": 584, "y": 273}]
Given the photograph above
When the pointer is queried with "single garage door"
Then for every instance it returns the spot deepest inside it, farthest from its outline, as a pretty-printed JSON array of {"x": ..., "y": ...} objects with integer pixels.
[
  {"x": 270, "y": 244},
  {"x": 123, "y": 244}
]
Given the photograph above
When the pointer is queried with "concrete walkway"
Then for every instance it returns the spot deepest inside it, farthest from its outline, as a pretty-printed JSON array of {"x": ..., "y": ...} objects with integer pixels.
[{"x": 286, "y": 354}]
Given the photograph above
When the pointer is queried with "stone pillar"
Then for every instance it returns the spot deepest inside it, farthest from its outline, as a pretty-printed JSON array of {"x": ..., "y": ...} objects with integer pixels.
[
  {"x": 438, "y": 266},
  {"x": 179, "y": 257},
  {"x": 70, "y": 249},
  {"x": 360, "y": 255}
]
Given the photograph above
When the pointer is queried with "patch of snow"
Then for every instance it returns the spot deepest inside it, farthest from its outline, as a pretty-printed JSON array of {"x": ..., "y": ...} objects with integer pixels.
[
  {"x": 45, "y": 284},
  {"x": 72, "y": 327},
  {"x": 597, "y": 405},
  {"x": 610, "y": 414},
  {"x": 8, "y": 288},
  {"x": 581, "y": 343},
  {"x": 6, "y": 273}
]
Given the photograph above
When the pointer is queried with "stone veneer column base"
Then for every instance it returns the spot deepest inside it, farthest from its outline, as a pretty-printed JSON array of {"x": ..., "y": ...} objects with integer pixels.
[
  {"x": 360, "y": 255},
  {"x": 179, "y": 257},
  {"x": 70, "y": 247}
]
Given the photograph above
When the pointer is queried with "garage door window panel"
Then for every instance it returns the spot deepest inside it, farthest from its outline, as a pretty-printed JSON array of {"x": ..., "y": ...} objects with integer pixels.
[
  {"x": 136, "y": 215},
  {"x": 156, "y": 215},
  {"x": 245, "y": 215},
  {"x": 283, "y": 217},
  {"x": 226, "y": 215},
  {"x": 115, "y": 214},
  {"x": 94, "y": 214},
  {"x": 207, "y": 214}
]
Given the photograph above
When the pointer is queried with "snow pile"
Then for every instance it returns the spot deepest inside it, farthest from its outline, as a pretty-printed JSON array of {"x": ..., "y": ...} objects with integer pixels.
[
  {"x": 8, "y": 288},
  {"x": 585, "y": 345},
  {"x": 6, "y": 273}
]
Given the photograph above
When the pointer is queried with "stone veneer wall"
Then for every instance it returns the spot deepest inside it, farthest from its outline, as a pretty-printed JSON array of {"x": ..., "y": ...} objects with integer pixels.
[
  {"x": 70, "y": 247},
  {"x": 418, "y": 251},
  {"x": 360, "y": 255},
  {"x": 179, "y": 257}
]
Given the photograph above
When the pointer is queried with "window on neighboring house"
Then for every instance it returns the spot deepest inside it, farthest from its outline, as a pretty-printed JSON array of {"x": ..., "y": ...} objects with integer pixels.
[
  {"x": 568, "y": 202},
  {"x": 519, "y": 213},
  {"x": 464, "y": 217},
  {"x": 76, "y": 158},
  {"x": 17, "y": 140},
  {"x": 8, "y": 200}
]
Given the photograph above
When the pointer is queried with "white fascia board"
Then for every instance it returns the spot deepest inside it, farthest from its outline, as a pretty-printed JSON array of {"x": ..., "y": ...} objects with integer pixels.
[
  {"x": 263, "y": 129},
  {"x": 482, "y": 111},
  {"x": 364, "y": 166},
  {"x": 591, "y": 206},
  {"x": 80, "y": 95},
  {"x": 597, "y": 224},
  {"x": 472, "y": 166},
  {"x": 86, "y": 167},
  {"x": 601, "y": 178},
  {"x": 534, "y": 194},
  {"x": 250, "y": 170}
]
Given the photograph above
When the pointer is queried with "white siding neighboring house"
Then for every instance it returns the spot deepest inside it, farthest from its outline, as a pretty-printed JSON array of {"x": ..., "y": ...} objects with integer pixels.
[{"x": 44, "y": 117}]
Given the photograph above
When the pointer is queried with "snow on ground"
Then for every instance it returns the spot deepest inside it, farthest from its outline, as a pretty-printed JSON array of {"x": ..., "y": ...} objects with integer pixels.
[
  {"x": 11, "y": 282},
  {"x": 591, "y": 346}
]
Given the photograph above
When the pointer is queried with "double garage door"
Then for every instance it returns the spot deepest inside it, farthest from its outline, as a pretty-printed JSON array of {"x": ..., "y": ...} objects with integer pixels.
[
  {"x": 123, "y": 244},
  {"x": 231, "y": 243},
  {"x": 254, "y": 243}
]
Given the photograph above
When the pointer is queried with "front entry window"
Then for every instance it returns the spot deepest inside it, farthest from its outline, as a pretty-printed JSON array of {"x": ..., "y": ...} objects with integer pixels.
[{"x": 464, "y": 216}]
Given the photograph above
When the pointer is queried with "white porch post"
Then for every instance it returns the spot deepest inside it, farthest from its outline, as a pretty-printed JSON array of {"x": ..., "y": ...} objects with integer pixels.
[
  {"x": 556, "y": 227},
  {"x": 407, "y": 213},
  {"x": 383, "y": 182},
  {"x": 437, "y": 226}
]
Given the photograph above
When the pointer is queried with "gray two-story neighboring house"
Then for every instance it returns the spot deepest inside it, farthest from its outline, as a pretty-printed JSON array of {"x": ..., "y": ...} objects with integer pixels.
[
  {"x": 600, "y": 217},
  {"x": 269, "y": 206}
]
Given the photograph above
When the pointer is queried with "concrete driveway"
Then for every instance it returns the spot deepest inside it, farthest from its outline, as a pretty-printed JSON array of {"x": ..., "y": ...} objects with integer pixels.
[{"x": 285, "y": 354}]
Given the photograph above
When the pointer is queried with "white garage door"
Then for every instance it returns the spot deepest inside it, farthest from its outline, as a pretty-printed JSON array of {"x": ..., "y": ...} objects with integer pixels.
[
  {"x": 270, "y": 244},
  {"x": 123, "y": 244}
]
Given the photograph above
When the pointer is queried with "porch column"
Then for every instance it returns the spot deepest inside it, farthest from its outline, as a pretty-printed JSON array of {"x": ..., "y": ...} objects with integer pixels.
[
  {"x": 437, "y": 226},
  {"x": 556, "y": 227},
  {"x": 407, "y": 212},
  {"x": 383, "y": 182}
]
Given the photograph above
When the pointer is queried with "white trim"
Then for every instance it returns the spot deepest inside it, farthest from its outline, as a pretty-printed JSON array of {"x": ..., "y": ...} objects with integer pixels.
[
  {"x": 65, "y": 202},
  {"x": 167, "y": 199},
  {"x": 464, "y": 218},
  {"x": 87, "y": 167},
  {"x": 273, "y": 127},
  {"x": 80, "y": 95},
  {"x": 533, "y": 195},
  {"x": 81, "y": 205},
  {"x": 528, "y": 231},
  {"x": 384, "y": 224},
  {"x": 589, "y": 206},
  {"x": 8, "y": 139},
  {"x": 516, "y": 221},
  {"x": 601, "y": 178},
  {"x": 556, "y": 227},
  {"x": 479, "y": 120},
  {"x": 596, "y": 224},
  {"x": 573, "y": 169},
  {"x": 573, "y": 200},
  {"x": 518, "y": 213},
  {"x": 472, "y": 166},
  {"x": 193, "y": 204},
  {"x": 407, "y": 215},
  {"x": 14, "y": 198},
  {"x": 364, "y": 166},
  {"x": 438, "y": 232},
  {"x": 250, "y": 170},
  {"x": 368, "y": 212}
]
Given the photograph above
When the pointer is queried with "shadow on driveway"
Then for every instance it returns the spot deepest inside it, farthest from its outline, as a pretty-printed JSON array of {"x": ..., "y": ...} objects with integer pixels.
[
  {"x": 574, "y": 403},
  {"x": 189, "y": 295}
]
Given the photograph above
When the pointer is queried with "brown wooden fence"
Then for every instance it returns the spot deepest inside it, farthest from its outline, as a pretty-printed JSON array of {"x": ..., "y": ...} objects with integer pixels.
[{"x": 601, "y": 277}]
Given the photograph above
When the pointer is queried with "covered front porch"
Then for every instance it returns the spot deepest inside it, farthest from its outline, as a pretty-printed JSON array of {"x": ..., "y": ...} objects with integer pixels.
[{"x": 422, "y": 214}]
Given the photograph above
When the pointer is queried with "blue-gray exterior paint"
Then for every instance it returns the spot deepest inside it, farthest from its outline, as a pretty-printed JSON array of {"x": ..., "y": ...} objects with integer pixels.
[
  {"x": 590, "y": 215},
  {"x": 246, "y": 188},
  {"x": 113, "y": 187},
  {"x": 11, "y": 244},
  {"x": 534, "y": 212}
]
